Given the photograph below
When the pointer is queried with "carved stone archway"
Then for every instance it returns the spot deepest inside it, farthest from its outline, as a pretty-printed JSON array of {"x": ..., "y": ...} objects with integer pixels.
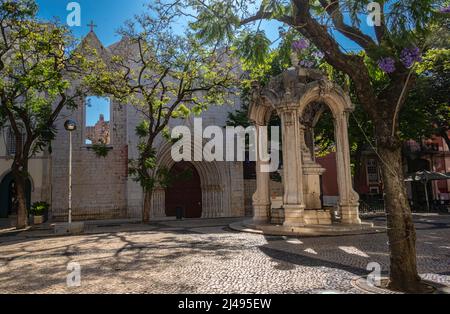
[
  {"x": 289, "y": 94},
  {"x": 214, "y": 202}
]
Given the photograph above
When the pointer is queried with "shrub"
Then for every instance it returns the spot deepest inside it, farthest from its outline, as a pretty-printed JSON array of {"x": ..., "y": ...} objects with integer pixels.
[
  {"x": 100, "y": 149},
  {"x": 39, "y": 208}
]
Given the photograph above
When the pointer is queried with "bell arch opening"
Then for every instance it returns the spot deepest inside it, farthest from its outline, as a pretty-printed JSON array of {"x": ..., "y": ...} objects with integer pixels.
[{"x": 320, "y": 148}]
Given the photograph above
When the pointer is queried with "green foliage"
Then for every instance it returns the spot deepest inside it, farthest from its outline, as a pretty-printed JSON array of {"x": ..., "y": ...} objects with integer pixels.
[
  {"x": 100, "y": 149},
  {"x": 39, "y": 208},
  {"x": 254, "y": 47},
  {"x": 406, "y": 24},
  {"x": 166, "y": 76},
  {"x": 15, "y": 10},
  {"x": 428, "y": 110},
  {"x": 223, "y": 22},
  {"x": 36, "y": 70},
  {"x": 142, "y": 129},
  {"x": 409, "y": 18}
]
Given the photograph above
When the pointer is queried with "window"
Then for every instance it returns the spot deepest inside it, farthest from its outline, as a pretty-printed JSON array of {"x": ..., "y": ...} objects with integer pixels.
[
  {"x": 11, "y": 141},
  {"x": 372, "y": 171},
  {"x": 97, "y": 120}
]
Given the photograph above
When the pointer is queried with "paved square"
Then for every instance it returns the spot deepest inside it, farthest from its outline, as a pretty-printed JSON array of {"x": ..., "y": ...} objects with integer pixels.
[{"x": 206, "y": 257}]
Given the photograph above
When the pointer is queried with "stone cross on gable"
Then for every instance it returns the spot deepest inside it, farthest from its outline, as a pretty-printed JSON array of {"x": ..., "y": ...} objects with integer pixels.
[{"x": 92, "y": 25}]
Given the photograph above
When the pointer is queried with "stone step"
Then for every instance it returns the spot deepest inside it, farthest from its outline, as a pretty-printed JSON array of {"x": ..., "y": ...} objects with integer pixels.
[
  {"x": 83, "y": 215},
  {"x": 277, "y": 216}
]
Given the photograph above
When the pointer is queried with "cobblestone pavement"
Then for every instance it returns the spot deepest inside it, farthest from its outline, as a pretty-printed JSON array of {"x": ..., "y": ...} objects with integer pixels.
[{"x": 206, "y": 257}]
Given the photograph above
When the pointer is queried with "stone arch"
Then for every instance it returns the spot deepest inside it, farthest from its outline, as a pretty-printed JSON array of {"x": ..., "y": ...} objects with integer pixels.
[
  {"x": 30, "y": 178},
  {"x": 328, "y": 93},
  {"x": 289, "y": 94},
  {"x": 340, "y": 106},
  {"x": 214, "y": 202},
  {"x": 5, "y": 181},
  {"x": 260, "y": 115}
]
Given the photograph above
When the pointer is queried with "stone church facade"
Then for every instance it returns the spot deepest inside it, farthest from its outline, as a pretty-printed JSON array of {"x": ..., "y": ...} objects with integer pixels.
[{"x": 101, "y": 186}]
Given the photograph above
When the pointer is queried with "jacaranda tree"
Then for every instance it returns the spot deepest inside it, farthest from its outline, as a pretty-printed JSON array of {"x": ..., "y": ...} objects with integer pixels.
[
  {"x": 392, "y": 40},
  {"x": 164, "y": 76},
  {"x": 35, "y": 85}
]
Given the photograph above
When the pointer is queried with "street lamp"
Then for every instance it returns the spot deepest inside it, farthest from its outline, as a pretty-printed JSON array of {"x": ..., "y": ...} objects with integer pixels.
[{"x": 70, "y": 126}]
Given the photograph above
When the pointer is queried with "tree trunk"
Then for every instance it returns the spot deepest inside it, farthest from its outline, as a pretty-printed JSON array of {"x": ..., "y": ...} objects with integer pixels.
[
  {"x": 401, "y": 231},
  {"x": 20, "y": 184},
  {"x": 147, "y": 207}
]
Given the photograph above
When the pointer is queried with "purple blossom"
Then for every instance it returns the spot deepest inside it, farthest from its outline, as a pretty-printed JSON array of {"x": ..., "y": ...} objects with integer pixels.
[
  {"x": 300, "y": 44},
  {"x": 307, "y": 64},
  {"x": 387, "y": 64},
  {"x": 445, "y": 10},
  {"x": 410, "y": 55},
  {"x": 318, "y": 54}
]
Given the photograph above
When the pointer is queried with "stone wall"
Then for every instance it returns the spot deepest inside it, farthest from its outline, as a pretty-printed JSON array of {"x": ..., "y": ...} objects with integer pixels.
[
  {"x": 276, "y": 191},
  {"x": 102, "y": 187},
  {"x": 237, "y": 189},
  {"x": 39, "y": 168},
  {"x": 99, "y": 189}
]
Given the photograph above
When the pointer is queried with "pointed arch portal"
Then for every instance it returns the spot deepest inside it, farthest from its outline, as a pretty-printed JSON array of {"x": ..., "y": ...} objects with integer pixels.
[
  {"x": 184, "y": 192},
  {"x": 215, "y": 201}
]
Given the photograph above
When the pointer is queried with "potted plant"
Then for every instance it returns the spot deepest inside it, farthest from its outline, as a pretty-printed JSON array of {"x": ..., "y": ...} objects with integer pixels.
[{"x": 38, "y": 211}]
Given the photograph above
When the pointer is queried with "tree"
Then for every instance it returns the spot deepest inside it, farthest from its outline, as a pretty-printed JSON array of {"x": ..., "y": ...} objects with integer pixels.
[
  {"x": 427, "y": 110},
  {"x": 36, "y": 71},
  {"x": 164, "y": 76},
  {"x": 399, "y": 36}
]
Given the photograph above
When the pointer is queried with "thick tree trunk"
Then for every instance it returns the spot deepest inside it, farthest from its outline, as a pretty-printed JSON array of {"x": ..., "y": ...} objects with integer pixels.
[
  {"x": 147, "y": 207},
  {"x": 22, "y": 211},
  {"x": 401, "y": 231}
]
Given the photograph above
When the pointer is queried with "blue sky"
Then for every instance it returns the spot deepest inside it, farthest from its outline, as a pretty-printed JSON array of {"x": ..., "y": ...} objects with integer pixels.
[
  {"x": 109, "y": 15},
  {"x": 97, "y": 106}
]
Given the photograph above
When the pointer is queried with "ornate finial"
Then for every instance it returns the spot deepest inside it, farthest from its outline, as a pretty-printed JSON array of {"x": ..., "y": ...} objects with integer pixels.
[
  {"x": 325, "y": 87},
  {"x": 256, "y": 91},
  {"x": 92, "y": 25},
  {"x": 294, "y": 60}
]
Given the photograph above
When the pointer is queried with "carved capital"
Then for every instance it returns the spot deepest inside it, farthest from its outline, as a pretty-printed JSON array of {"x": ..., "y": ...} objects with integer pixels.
[
  {"x": 325, "y": 87},
  {"x": 288, "y": 115}
]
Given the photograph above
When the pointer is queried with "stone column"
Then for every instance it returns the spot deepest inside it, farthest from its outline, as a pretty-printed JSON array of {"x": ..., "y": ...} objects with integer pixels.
[
  {"x": 217, "y": 198},
  {"x": 261, "y": 198},
  {"x": 220, "y": 202},
  {"x": 205, "y": 201},
  {"x": 158, "y": 203},
  {"x": 212, "y": 203},
  {"x": 293, "y": 202},
  {"x": 348, "y": 198}
]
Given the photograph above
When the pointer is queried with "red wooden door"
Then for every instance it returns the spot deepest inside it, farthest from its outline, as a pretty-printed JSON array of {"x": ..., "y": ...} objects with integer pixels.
[{"x": 185, "y": 191}]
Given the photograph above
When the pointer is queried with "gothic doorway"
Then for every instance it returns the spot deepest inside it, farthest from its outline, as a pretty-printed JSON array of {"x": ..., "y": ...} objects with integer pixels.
[
  {"x": 8, "y": 198},
  {"x": 184, "y": 191}
]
